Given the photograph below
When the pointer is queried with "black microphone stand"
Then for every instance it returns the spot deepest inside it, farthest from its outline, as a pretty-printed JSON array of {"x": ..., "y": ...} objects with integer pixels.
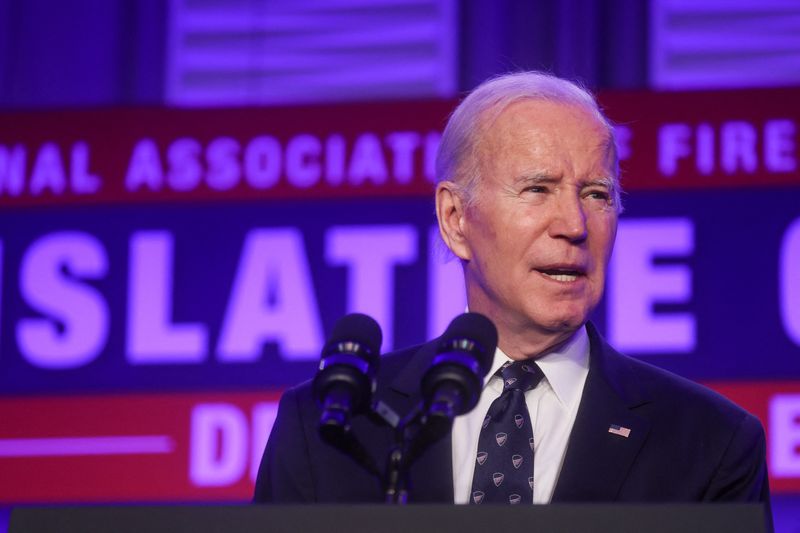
[
  {"x": 410, "y": 439},
  {"x": 397, "y": 471},
  {"x": 399, "y": 459}
]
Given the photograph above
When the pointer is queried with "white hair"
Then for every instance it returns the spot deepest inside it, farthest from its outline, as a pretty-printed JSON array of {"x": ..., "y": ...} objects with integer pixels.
[{"x": 456, "y": 159}]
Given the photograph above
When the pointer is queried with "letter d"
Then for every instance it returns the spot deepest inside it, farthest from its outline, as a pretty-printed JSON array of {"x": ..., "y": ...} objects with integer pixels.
[{"x": 218, "y": 445}]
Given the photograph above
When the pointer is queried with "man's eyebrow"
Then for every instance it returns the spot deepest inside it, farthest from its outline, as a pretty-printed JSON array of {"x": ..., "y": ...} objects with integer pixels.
[
  {"x": 606, "y": 182},
  {"x": 545, "y": 177},
  {"x": 535, "y": 177}
]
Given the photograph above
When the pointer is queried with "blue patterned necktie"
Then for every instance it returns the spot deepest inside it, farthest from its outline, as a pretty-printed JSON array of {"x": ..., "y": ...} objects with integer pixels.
[{"x": 504, "y": 464}]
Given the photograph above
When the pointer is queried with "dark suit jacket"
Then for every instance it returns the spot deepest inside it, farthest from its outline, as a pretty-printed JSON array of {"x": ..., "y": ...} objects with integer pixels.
[{"x": 686, "y": 443}]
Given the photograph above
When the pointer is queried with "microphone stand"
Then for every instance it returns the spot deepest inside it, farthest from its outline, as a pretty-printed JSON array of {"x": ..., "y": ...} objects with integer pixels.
[
  {"x": 397, "y": 471},
  {"x": 412, "y": 437},
  {"x": 397, "y": 463}
]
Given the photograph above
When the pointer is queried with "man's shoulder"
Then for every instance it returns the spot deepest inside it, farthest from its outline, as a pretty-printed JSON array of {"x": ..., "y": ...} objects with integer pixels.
[
  {"x": 671, "y": 393},
  {"x": 667, "y": 386}
]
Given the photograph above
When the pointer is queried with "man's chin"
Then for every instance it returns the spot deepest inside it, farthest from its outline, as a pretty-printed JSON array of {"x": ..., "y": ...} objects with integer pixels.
[{"x": 564, "y": 323}]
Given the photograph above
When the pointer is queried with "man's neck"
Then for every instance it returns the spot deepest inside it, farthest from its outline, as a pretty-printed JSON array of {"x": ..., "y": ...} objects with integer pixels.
[
  {"x": 519, "y": 347},
  {"x": 528, "y": 341}
]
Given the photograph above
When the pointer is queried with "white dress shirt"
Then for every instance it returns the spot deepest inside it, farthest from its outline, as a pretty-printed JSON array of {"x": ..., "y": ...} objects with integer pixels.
[{"x": 552, "y": 405}]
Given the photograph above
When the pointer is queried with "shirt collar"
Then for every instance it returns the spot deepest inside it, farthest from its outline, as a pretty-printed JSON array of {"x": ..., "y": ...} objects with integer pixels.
[{"x": 564, "y": 368}]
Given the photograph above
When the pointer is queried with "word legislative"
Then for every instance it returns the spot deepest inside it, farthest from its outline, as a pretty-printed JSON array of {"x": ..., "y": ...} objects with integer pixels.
[{"x": 273, "y": 297}]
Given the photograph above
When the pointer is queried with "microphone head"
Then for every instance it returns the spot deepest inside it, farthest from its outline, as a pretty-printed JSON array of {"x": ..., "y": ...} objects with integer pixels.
[
  {"x": 356, "y": 328},
  {"x": 473, "y": 333},
  {"x": 345, "y": 379}
]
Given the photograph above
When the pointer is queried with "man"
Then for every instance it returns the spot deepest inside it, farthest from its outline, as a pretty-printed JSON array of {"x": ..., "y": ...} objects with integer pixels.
[{"x": 528, "y": 200}]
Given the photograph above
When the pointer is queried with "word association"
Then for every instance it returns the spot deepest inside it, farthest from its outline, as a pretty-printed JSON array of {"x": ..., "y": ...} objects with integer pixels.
[{"x": 260, "y": 163}]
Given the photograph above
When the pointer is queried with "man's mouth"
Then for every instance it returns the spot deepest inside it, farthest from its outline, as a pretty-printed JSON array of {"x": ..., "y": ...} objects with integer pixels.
[{"x": 566, "y": 275}]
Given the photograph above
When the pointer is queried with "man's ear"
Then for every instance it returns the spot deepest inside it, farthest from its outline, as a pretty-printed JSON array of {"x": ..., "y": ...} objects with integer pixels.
[{"x": 450, "y": 213}]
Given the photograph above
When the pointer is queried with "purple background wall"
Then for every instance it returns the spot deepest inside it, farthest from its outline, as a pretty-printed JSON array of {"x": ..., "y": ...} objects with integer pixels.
[{"x": 83, "y": 54}]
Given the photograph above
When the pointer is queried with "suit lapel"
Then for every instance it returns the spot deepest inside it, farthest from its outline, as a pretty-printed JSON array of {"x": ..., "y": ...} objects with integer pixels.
[
  {"x": 597, "y": 461},
  {"x": 431, "y": 476}
]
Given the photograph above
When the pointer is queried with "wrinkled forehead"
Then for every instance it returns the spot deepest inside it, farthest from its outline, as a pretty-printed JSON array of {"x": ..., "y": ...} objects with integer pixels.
[{"x": 532, "y": 120}]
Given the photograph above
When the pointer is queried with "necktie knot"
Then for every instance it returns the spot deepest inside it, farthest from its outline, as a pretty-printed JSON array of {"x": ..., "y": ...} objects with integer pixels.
[{"x": 520, "y": 375}]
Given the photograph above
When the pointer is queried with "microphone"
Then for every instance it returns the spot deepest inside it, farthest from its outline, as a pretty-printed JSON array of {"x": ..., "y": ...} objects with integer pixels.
[
  {"x": 345, "y": 380},
  {"x": 453, "y": 382}
]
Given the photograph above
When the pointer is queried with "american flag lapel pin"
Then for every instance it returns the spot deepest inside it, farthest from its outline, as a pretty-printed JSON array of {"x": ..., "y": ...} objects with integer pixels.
[{"x": 622, "y": 431}]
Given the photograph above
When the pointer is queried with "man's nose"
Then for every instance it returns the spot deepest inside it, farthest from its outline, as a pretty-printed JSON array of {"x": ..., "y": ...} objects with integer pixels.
[{"x": 568, "y": 218}]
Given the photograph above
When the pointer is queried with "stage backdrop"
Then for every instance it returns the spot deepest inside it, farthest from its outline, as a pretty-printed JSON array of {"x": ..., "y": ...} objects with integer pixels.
[{"x": 165, "y": 274}]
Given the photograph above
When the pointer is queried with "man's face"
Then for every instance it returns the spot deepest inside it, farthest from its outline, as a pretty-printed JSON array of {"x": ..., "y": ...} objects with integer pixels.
[{"x": 539, "y": 235}]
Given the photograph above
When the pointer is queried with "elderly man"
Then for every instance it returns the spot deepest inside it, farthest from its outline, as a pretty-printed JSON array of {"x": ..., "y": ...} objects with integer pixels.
[{"x": 528, "y": 200}]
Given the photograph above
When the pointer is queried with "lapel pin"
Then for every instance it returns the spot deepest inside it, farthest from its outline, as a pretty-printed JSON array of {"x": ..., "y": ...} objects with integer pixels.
[{"x": 622, "y": 431}]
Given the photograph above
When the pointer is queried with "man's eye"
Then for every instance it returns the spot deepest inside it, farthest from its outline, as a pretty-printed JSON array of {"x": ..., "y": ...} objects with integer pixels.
[
  {"x": 599, "y": 195},
  {"x": 536, "y": 188}
]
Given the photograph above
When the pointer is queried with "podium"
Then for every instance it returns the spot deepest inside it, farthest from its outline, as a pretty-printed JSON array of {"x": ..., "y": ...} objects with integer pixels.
[{"x": 557, "y": 518}]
